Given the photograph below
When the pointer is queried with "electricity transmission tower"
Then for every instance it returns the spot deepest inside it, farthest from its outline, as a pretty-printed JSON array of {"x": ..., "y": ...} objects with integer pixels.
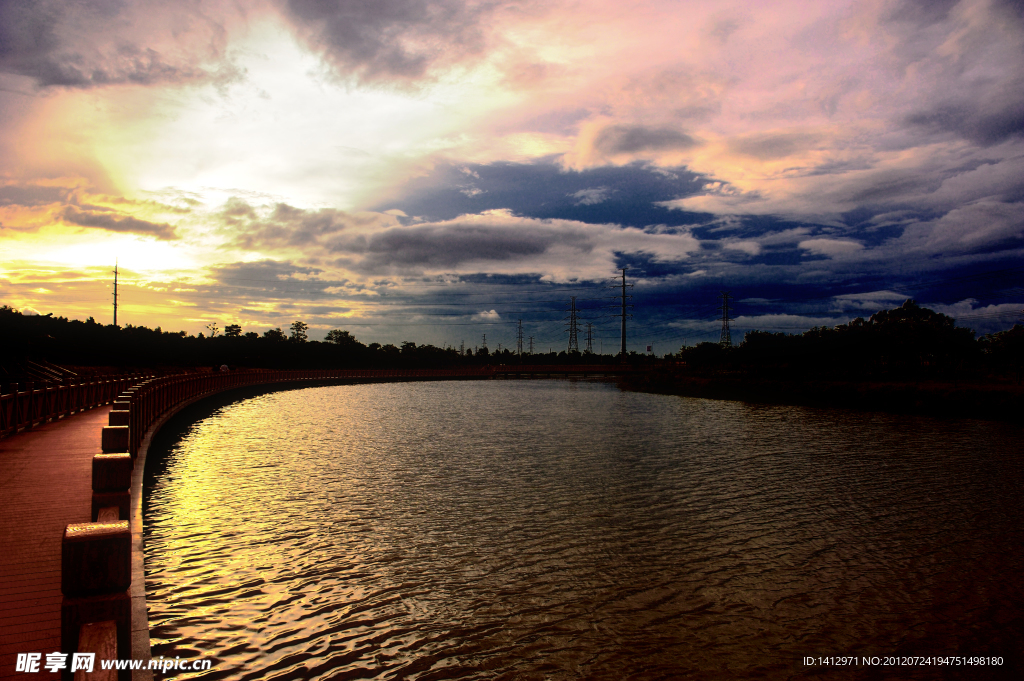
[
  {"x": 726, "y": 340},
  {"x": 624, "y": 314},
  {"x": 590, "y": 339},
  {"x": 519, "y": 339},
  {"x": 531, "y": 345},
  {"x": 115, "y": 292},
  {"x": 574, "y": 345},
  {"x": 484, "y": 344}
]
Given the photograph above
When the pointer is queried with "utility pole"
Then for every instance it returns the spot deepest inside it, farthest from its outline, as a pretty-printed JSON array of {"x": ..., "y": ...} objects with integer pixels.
[
  {"x": 622, "y": 351},
  {"x": 519, "y": 339},
  {"x": 590, "y": 339},
  {"x": 726, "y": 340},
  {"x": 574, "y": 345},
  {"x": 115, "y": 292}
]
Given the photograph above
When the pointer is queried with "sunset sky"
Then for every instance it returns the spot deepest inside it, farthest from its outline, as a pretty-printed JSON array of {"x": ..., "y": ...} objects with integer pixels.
[{"x": 437, "y": 170}]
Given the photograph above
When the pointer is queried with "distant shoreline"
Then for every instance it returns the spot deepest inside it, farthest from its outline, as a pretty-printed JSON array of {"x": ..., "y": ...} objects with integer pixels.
[{"x": 942, "y": 399}]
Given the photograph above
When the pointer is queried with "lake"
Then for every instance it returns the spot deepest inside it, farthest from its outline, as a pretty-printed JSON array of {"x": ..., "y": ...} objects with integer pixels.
[{"x": 554, "y": 529}]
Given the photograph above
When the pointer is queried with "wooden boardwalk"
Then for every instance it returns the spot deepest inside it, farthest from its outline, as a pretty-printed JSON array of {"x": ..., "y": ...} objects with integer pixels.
[{"x": 45, "y": 483}]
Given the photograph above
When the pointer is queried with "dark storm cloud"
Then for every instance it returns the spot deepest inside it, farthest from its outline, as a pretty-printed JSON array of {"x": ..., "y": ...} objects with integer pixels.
[
  {"x": 884, "y": 187},
  {"x": 114, "y": 222},
  {"x": 34, "y": 195},
  {"x": 277, "y": 279},
  {"x": 802, "y": 264},
  {"x": 379, "y": 39},
  {"x": 767, "y": 147},
  {"x": 628, "y": 194},
  {"x": 286, "y": 226},
  {"x": 263, "y": 271},
  {"x": 102, "y": 42},
  {"x": 966, "y": 50},
  {"x": 920, "y": 13},
  {"x": 985, "y": 121},
  {"x": 631, "y": 139},
  {"x": 378, "y": 243},
  {"x": 451, "y": 244}
]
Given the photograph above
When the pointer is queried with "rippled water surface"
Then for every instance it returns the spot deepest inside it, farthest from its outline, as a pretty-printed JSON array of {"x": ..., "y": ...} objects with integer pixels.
[{"x": 557, "y": 530}]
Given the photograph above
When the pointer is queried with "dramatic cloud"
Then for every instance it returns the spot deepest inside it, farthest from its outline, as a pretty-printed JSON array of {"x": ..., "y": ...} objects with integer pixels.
[
  {"x": 440, "y": 247},
  {"x": 600, "y": 143},
  {"x": 97, "y": 43},
  {"x": 353, "y": 159},
  {"x": 36, "y": 207},
  {"x": 34, "y": 195},
  {"x": 285, "y": 226},
  {"x": 262, "y": 273},
  {"x": 616, "y": 140},
  {"x": 117, "y": 223},
  {"x": 974, "y": 227},
  {"x": 376, "y": 40},
  {"x": 496, "y": 240}
]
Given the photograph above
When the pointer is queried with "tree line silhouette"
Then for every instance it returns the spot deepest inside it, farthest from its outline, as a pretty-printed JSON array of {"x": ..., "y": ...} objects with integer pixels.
[
  {"x": 91, "y": 347},
  {"x": 906, "y": 343}
]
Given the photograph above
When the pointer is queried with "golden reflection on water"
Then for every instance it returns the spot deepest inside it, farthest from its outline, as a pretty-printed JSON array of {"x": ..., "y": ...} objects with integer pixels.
[{"x": 546, "y": 529}]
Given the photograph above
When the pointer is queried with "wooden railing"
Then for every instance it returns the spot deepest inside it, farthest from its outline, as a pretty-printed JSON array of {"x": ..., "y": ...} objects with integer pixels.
[
  {"x": 32, "y": 405},
  {"x": 154, "y": 397}
]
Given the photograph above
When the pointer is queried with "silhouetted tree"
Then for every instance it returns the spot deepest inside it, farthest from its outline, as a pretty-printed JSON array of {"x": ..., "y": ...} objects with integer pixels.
[
  {"x": 910, "y": 337},
  {"x": 299, "y": 332},
  {"x": 1005, "y": 351},
  {"x": 342, "y": 338},
  {"x": 275, "y": 334}
]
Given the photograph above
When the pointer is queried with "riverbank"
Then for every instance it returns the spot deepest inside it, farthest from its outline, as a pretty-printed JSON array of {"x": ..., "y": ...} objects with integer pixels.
[{"x": 999, "y": 402}]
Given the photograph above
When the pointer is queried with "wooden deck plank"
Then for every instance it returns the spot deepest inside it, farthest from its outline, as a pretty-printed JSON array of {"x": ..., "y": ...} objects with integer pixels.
[{"x": 46, "y": 479}]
